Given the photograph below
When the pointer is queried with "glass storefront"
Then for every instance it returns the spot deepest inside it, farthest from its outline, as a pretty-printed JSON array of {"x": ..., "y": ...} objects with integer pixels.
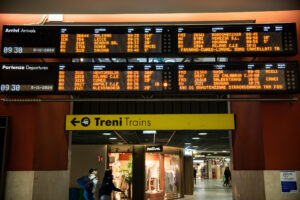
[
  {"x": 163, "y": 175},
  {"x": 172, "y": 176},
  {"x": 121, "y": 166},
  {"x": 163, "y": 179},
  {"x": 154, "y": 177}
]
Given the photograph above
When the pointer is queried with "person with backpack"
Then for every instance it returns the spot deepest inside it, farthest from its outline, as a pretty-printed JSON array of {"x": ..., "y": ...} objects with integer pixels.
[
  {"x": 89, "y": 184},
  {"x": 107, "y": 186}
]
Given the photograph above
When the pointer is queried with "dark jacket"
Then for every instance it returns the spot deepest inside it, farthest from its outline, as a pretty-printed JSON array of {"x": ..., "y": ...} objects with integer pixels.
[
  {"x": 107, "y": 187},
  {"x": 227, "y": 173}
]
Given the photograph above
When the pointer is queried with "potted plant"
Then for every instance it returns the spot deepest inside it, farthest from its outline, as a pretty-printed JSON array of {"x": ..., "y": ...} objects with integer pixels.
[{"x": 127, "y": 176}]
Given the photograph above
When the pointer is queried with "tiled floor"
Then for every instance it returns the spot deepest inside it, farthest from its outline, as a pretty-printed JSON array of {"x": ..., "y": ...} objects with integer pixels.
[{"x": 210, "y": 190}]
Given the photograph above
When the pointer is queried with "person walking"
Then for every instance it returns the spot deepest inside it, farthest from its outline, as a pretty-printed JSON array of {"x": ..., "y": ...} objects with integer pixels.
[
  {"x": 107, "y": 186},
  {"x": 195, "y": 174},
  {"x": 90, "y": 186},
  {"x": 227, "y": 175}
]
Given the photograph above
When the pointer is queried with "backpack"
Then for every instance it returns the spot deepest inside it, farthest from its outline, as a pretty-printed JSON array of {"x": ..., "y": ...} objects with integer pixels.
[
  {"x": 89, "y": 186},
  {"x": 85, "y": 183}
]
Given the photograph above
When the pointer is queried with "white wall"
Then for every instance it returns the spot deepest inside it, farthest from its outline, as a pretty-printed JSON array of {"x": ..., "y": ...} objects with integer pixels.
[
  {"x": 273, "y": 187},
  {"x": 19, "y": 185},
  {"x": 36, "y": 185},
  {"x": 260, "y": 185},
  {"x": 50, "y": 185},
  {"x": 248, "y": 185}
]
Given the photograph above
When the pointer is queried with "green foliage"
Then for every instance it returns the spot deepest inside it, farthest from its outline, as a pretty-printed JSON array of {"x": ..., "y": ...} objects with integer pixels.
[{"x": 127, "y": 172}]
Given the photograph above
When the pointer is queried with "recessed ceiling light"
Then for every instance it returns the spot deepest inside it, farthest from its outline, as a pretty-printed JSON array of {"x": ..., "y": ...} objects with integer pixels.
[
  {"x": 187, "y": 143},
  {"x": 196, "y": 138},
  {"x": 224, "y": 151},
  {"x": 106, "y": 133},
  {"x": 55, "y": 17},
  {"x": 149, "y": 132},
  {"x": 202, "y": 133},
  {"x": 113, "y": 138}
]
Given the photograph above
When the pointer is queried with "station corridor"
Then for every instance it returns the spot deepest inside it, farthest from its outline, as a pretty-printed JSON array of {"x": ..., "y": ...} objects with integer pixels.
[{"x": 210, "y": 190}]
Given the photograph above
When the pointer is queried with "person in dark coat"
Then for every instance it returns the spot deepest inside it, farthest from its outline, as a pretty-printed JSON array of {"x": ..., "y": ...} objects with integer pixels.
[
  {"x": 107, "y": 186},
  {"x": 195, "y": 174},
  {"x": 227, "y": 175}
]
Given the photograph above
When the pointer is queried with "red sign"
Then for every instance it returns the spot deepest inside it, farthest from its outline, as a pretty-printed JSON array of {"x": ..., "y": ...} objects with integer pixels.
[{"x": 100, "y": 158}]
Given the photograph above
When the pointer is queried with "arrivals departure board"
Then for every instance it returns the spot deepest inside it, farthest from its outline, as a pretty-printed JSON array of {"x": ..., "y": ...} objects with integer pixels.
[
  {"x": 79, "y": 41},
  {"x": 111, "y": 40},
  {"x": 28, "y": 77},
  {"x": 80, "y": 78},
  {"x": 114, "y": 78},
  {"x": 238, "y": 77},
  {"x": 235, "y": 39},
  {"x": 138, "y": 41},
  {"x": 89, "y": 78}
]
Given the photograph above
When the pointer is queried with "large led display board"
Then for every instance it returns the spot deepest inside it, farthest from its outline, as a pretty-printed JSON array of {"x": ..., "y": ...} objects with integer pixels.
[
  {"x": 91, "y": 78},
  {"x": 130, "y": 41}
]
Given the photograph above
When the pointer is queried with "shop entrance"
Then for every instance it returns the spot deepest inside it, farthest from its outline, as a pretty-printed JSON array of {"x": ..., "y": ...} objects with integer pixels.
[
  {"x": 163, "y": 176},
  {"x": 163, "y": 172},
  {"x": 121, "y": 166},
  {"x": 155, "y": 166}
]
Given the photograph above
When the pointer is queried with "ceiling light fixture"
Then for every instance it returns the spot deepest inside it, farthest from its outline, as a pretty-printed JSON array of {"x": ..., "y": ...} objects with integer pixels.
[
  {"x": 202, "y": 133},
  {"x": 106, "y": 133},
  {"x": 113, "y": 138},
  {"x": 55, "y": 17},
  {"x": 196, "y": 138},
  {"x": 149, "y": 132}
]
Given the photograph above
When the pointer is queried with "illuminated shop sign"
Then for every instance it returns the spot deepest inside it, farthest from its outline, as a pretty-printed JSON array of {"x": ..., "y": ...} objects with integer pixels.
[{"x": 154, "y": 148}]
